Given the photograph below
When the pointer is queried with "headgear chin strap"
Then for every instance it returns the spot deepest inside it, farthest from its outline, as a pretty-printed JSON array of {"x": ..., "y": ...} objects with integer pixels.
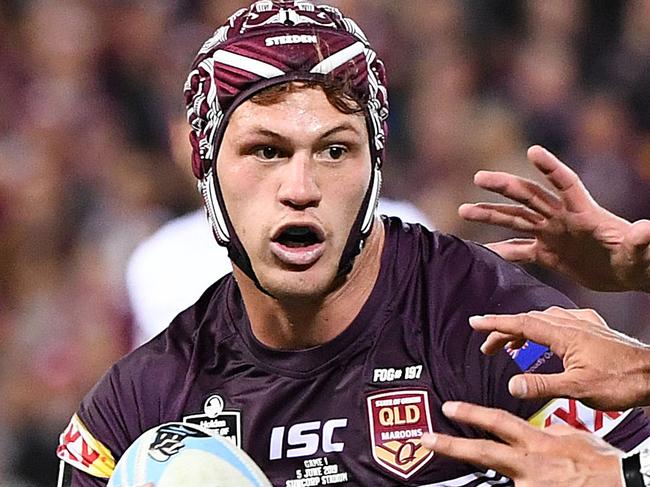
[
  {"x": 270, "y": 43},
  {"x": 215, "y": 216}
]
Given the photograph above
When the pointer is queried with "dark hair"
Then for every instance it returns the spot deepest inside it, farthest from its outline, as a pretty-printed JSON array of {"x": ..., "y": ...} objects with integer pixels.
[{"x": 338, "y": 94}]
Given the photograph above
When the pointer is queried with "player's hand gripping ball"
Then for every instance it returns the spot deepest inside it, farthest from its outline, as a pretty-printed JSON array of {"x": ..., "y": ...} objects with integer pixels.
[{"x": 185, "y": 455}]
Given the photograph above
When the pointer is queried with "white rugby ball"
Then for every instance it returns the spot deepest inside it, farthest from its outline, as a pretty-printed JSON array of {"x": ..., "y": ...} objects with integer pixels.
[{"x": 185, "y": 455}]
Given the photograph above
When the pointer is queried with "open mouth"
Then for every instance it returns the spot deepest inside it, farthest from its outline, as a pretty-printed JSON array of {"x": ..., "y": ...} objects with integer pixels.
[
  {"x": 299, "y": 236},
  {"x": 298, "y": 245}
]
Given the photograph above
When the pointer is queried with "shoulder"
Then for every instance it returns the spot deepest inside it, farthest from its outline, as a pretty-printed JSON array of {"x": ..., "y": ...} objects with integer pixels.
[
  {"x": 441, "y": 280},
  {"x": 148, "y": 386},
  {"x": 129, "y": 399},
  {"x": 430, "y": 250},
  {"x": 471, "y": 271}
]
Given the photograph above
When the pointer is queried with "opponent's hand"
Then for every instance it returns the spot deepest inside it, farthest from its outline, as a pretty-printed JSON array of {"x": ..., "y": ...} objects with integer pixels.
[
  {"x": 559, "y": 456},
  {"x": 604, "y": 368},
  {"x": 571, "y": 233}
]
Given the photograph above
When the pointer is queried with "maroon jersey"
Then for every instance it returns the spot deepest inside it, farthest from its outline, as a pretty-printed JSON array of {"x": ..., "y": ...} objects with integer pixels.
[{"x": 350, "y": 412}]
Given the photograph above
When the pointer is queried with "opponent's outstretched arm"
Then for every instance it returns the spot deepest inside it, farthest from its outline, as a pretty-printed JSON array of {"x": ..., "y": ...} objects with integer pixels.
[
  {"x": 570, "y": 232},
  {"x": 603, "y": 368},
  {"x": 559, "y": 455}
]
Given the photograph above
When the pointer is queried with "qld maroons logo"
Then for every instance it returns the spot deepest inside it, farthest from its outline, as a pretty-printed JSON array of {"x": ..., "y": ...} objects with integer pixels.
[{"x": 398, "y": 419}]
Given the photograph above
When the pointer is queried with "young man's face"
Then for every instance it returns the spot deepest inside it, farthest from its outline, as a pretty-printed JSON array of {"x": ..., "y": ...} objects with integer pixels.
[{"x": 293, "y": 177}]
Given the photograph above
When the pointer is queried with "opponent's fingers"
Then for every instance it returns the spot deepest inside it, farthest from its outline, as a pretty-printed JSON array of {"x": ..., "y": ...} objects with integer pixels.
[
  {"x": 520, "y": 250},
  {"x": 514, "y": 217},
  {"x": 483, "y": 453},
  {"x": 516, "y": 343},
  {"x": 571, "y": 318},
  {"x": 638, "y": 235},
  {"x": 563, "y": 178},
  {"x": 574, "y": 318},
  {"x": 636, "y": 243},
  {"x": 496, "y": 341},
  {"x": 540, "y": 386},
  {"x": 557, "y": 312},
  {"x": 587, "y": 315},
  {"x": 508, "y": 427},
  {"x": 533, "y": 326},
  {"x": 529, "y": 193},
  {"x": 557, "y": 429}
]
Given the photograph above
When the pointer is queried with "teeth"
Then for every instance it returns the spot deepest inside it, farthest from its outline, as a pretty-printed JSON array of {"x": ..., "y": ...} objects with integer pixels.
[{"x": 296, "y": 244}]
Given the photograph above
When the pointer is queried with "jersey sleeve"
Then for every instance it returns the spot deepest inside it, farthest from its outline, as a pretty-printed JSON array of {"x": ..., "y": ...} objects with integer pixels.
[
  {"x": 97, "y": 434},
  {"x": 137, "y": 393},
  {"x": 70, "y": 476},
  {"x": 486, "y": 284}
]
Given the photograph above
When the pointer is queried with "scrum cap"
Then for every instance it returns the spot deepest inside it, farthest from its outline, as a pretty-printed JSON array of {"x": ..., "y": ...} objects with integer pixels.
[{"x": 274, "y": 42}]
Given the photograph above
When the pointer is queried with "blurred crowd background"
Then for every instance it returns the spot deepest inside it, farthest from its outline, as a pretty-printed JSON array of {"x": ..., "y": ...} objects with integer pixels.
[{"x": 94, "y": 155}]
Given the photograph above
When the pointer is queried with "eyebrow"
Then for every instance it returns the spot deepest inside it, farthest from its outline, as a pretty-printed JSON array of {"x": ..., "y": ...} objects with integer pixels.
[{"x": 334, "y": 130}]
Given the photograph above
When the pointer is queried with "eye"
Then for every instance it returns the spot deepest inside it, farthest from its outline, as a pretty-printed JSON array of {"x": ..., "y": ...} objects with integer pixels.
[
  {"x": 335, "y": 152},
  {"x": 268, "y": 152}
]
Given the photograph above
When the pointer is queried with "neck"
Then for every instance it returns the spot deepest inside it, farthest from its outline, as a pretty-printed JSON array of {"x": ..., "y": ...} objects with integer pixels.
[{"x": 303, "y": 323}]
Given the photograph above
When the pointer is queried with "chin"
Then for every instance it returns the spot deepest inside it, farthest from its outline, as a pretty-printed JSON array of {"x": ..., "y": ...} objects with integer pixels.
[{"x": 300, "y": 285}]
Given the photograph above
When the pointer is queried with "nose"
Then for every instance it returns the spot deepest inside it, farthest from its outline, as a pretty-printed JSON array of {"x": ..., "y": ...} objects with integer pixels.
[{"x": 299, "y": 187}]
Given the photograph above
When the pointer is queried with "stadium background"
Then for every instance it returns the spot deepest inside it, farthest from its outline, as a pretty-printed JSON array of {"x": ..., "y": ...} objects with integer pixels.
[{"x": 93, "y": 155}]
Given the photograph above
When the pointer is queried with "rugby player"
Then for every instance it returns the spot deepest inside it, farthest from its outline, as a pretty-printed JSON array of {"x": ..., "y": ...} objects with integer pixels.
[{"x": 328, "y": 352}]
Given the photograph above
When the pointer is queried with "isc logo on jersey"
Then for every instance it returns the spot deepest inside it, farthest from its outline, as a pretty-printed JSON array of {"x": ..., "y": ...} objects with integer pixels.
[
  {"x": 217, "y": 419},
  {"x": 576, "y": 414},
  {"x": 305, "y": 439},
  {"x": 398, "y": 419}
]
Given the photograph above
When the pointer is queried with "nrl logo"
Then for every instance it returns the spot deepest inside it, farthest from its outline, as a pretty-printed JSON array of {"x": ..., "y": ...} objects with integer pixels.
[
  {"x": 217, "y": 419},
  {"x": 398, "y": 419}
]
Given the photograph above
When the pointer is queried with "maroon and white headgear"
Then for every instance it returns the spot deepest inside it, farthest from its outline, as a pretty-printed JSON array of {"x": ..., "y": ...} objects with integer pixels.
[{"x": 274, "y": 42}]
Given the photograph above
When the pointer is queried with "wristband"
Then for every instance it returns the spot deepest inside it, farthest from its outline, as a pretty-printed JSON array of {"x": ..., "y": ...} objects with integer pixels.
[
  {"x": 644, "y": 460},
  {"x": 632, "y": 471}
]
